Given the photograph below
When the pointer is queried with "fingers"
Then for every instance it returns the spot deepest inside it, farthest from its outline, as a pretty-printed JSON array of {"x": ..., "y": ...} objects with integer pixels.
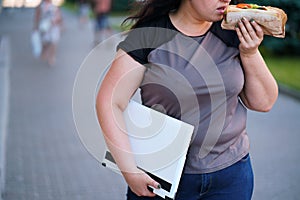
[
  {"x": 153, "y": 183},
  {"x": 250, "y": 35},
  {"x": 149, "y": 183},
  {"x": 140, "y": 183},
  {"x": 258, "y": 29},
  {"x": 250, "y": 29},
  {"x": 240, "y": 35}
]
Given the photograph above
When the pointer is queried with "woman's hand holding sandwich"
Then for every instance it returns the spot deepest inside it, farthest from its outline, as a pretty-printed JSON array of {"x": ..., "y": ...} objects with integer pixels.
[
  {"x": 260, "y": 89},
  {"x": 250, "y": 35}
]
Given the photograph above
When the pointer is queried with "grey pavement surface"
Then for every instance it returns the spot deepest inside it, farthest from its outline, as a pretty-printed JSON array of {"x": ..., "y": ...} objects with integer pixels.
[
  {"x": 4, "y": 103},
  {"x": 45, "y": 159}
]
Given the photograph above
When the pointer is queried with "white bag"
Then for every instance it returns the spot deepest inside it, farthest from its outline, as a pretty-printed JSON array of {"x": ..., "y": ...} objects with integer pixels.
[
  {"x": 36, "y": 44},
  {"x": 45, "y": 25}
]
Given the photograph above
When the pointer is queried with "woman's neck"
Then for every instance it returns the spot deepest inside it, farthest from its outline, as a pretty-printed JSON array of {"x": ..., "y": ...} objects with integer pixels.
[{"x": 188, "y": 23}]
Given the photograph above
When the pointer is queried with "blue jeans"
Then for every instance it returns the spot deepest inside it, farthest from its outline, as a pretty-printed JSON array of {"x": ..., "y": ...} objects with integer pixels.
[
  {"x": 101, "y": 22},
  {"x": 232, "y": 183}
]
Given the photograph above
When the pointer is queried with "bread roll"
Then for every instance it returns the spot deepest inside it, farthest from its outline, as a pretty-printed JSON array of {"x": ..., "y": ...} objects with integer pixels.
[{"x": 271, "y": 19}]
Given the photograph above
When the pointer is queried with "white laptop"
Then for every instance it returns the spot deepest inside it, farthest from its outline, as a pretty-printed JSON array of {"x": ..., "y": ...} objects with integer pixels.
[{"x": 160, "y": 145}]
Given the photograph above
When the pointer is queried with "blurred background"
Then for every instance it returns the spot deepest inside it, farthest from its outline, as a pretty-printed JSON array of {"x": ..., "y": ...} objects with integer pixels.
[{"x": 41, "y": 154}]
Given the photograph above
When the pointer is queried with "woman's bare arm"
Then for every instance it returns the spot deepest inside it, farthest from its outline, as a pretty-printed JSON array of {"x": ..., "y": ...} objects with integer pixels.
[
  {"x": 120, "y": 83},
  {"x": 260, "y": 89}
]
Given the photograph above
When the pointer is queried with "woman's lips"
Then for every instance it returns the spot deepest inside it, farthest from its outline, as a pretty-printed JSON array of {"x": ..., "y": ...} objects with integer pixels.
[{"x": 221, "y": 10}]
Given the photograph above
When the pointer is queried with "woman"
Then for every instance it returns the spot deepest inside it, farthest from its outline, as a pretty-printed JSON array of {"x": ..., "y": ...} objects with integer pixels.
[
  {"x": 227, "y": 75},
  {"x": 48, "y": 22}
]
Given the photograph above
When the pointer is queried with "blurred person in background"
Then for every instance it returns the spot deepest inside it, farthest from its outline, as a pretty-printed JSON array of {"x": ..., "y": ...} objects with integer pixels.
[
  {"x": 101, "y": 8},
  {"x": 84, "y": 9},
  {"x": 48, "y": 21}
]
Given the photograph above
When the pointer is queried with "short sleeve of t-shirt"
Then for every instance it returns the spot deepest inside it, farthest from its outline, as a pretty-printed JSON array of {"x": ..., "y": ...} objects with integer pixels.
[
  {"x": 148, "y": 36},
  {"x": 136, "y": 44}
]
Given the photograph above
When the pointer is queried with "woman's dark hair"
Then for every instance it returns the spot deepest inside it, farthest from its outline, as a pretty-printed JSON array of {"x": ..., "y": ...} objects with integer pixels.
[{"x": 151, "y": 9}]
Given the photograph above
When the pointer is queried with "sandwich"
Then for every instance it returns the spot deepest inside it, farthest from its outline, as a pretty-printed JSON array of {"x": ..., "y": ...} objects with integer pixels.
[{"x": 271, "y": 19}]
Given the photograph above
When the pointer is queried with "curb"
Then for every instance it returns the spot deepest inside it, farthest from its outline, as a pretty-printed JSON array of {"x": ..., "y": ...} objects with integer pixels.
[
  {"x": 288, "y": 91},
  {"x": 4, "y": 105}
]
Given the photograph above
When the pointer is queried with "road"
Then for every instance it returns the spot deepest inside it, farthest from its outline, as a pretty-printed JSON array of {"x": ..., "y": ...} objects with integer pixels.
[{"x": 45, "y": 159}]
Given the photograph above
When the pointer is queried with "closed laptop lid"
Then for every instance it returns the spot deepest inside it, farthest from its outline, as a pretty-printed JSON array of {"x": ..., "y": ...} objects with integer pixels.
[{"x": 159, "y": 143}]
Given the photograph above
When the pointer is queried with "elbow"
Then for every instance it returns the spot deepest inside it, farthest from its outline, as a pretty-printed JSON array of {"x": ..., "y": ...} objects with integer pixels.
[
  {"x": 260, "y": 108},
  {"x": 103, "y": 108},
  {"x": 100, "y": 99},
  {"x": 263, "y": 106},
  {"x": 106, "y": 103},
  {"x": 100, "y": 104},
  {"x": 270, "y": 102},
  {"x": 266, "y": 108},
  {"x": 269, "y": 105},
  {"x": 263, "y": 102},
  {"x": 103, "y": 100}
]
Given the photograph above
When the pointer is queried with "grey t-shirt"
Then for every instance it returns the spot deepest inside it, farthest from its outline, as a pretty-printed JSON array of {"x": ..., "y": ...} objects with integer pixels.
[{"x": 196, "y": 80}]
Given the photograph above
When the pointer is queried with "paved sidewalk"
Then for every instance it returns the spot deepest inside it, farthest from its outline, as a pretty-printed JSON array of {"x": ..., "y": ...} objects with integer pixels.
[
  {"x": 45, "y": 158},
  {"x": 47, "y": 161},
  {"x": 4, "y": 104},
  {"x": 275, "y": 148}
]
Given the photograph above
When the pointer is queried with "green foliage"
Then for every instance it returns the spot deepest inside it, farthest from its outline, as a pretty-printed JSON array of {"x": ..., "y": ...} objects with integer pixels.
[
  {"x": 286, "y": 70},
  {"x": 121, "y": 5},
  {"x": 291, "y": 44}
]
